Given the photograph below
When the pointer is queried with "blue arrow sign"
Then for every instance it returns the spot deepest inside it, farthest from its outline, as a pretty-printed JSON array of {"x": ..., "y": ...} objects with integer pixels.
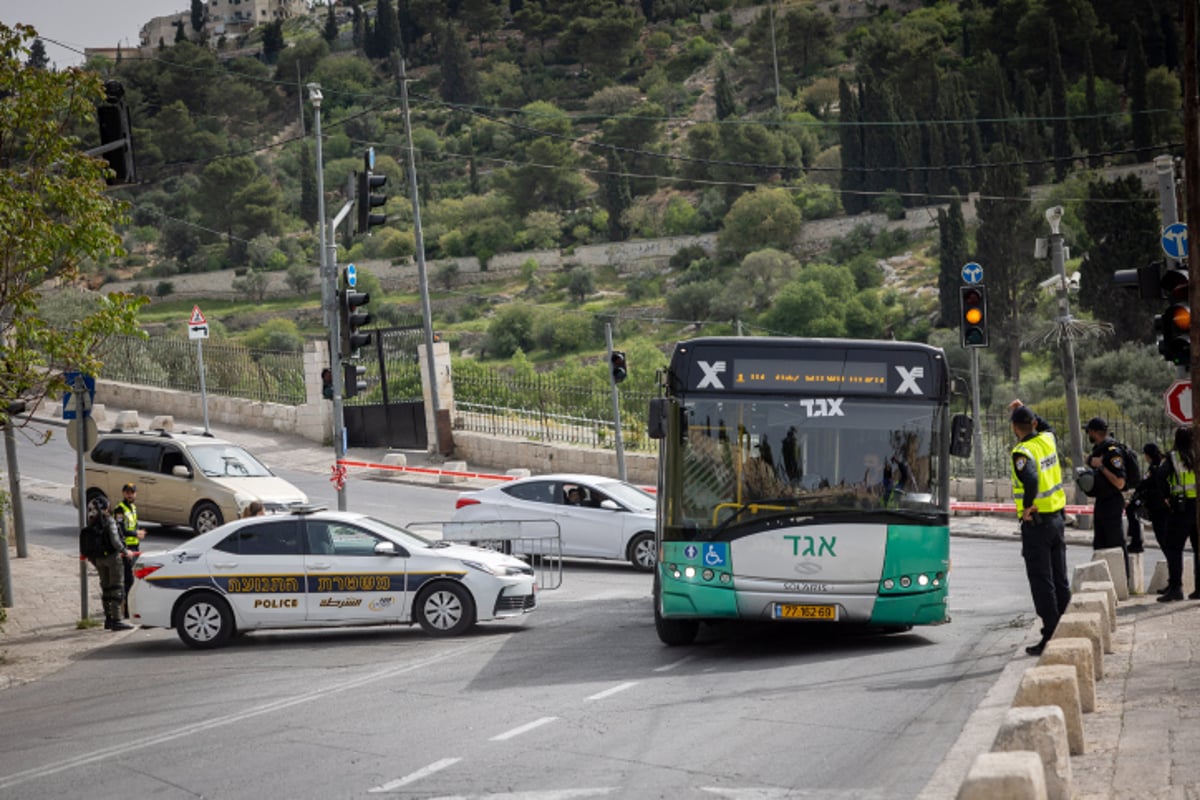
[
  {"x": 972, "y": 273},
  {"x": 1175, "y": 240},
  {"x": 351, "y": 275}
]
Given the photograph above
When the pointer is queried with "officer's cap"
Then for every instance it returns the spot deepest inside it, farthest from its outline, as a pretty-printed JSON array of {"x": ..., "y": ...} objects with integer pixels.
[
  {"x": 1023, "y": 415},
  {"x": 1096, "y": 424},
  {"x": 129, "y": 487}
]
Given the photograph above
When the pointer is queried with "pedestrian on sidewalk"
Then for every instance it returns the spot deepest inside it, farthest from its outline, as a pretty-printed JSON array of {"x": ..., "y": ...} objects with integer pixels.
[
  {"x": 108, "y": 565},
  {"x": 1040, "y": 499},
  {"x": 1181, "y": 523},
  {"x": 127, "y": 520},
  {"x": 1150, "y": 499}
]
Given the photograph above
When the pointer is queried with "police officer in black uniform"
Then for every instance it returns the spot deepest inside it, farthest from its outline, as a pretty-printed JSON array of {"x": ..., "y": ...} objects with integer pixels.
[
  {"x": 1108, "y": 465},
  {"x": 127, "y": 521}
]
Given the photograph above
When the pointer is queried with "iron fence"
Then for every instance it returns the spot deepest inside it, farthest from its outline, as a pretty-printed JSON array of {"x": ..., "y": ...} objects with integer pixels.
[
  {"x": 230, "y": 370},
  {"x": 544, "y": 409},
  {"x": 998, "y": 443}
]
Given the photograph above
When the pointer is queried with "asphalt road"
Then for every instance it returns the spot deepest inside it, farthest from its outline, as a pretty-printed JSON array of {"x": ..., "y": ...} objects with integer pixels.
[{"x": 580, "y": 699}]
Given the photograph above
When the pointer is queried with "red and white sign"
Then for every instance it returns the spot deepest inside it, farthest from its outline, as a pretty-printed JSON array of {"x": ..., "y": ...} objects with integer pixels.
[
  {"x": 197, "y": 317},
  {"x": 197, "y": 325},
  {"x": 1179, "y": 401}
]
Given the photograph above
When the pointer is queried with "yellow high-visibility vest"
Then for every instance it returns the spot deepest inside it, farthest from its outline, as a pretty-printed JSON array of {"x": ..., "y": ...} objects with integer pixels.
[
  {"x": 1042, "y": 449},
  {"x": 1182, "y": 481}
]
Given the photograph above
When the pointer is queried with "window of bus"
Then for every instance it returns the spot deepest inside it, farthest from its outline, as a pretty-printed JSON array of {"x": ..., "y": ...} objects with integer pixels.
[{"x": 776, "y": 453}]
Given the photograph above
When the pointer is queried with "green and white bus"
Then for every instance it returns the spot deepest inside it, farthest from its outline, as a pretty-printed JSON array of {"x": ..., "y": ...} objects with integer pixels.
[{"x": 803, "y": 479}]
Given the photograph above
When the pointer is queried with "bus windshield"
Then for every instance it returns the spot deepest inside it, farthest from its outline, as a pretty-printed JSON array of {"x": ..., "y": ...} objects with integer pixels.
[{"x": 743, "y": 459}]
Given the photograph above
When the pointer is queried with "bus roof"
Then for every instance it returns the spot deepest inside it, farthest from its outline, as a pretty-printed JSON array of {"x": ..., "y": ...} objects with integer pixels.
[{"x": 794, "y": 366}]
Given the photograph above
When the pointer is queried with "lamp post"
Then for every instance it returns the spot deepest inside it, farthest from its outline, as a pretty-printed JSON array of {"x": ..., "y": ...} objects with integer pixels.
[{"x": 1054, "y": 216}]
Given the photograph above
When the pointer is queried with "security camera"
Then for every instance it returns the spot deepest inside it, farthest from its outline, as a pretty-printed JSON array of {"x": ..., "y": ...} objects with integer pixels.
[{"x": 1054, "y": 215}]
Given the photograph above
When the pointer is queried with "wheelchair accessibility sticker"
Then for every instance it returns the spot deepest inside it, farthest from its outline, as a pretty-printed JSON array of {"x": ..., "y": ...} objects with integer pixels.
[{"x": 716, "y": 554}]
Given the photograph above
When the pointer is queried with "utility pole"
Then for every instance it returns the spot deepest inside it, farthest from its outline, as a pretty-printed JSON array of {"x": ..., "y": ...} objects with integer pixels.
[
  {"x": 422, "y": 272},
  {"x": 1054, "y": 217},
  {"x": 1191, "y": 179},
  {"x": 618, "y": 438}
]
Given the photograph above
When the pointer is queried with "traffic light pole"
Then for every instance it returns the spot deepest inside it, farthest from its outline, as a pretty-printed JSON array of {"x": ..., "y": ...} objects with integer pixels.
[
  {"x": 1054, "y": 217},
  {"x": 618, "y": 438}
]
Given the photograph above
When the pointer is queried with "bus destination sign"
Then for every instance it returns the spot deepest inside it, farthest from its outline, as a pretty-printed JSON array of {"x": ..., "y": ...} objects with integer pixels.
[{"x": 857, "y": 377}]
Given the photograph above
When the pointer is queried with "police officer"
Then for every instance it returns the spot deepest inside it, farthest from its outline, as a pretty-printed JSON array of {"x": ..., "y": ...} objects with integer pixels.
[
  {"x": 1181, "y": 521},
  {"x": 108, "y": 566},
  {"x": 126, "y": 516},
  {"x": 1040, "y": 499},
  {"x": 1108, "y": 465},
  {"x": 1149, "y": 499}
]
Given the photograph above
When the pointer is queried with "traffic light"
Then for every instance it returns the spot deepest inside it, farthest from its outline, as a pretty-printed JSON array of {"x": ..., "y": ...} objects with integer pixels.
[
  {"x": 354, "y": 379},
  {"x": 973, "y": 320},
  {"x": 113, "y": 116},
  {"x": 352, "y": 318},
  {"x": 1145, "y": 279},
  {"x": 368, "y": 181},
  {"x": 619, "y": 370},
  {"x": 1175, "y": 324}
]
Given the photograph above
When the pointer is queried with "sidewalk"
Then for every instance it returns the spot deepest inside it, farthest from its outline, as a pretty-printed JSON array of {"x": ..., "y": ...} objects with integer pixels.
[{"x": 1143, "y": 740}]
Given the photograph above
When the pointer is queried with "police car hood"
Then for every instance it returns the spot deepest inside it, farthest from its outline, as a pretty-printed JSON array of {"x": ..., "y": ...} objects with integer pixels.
[
  {"x": 482, "y": 555},
  {"x": 268, "y": 488}
]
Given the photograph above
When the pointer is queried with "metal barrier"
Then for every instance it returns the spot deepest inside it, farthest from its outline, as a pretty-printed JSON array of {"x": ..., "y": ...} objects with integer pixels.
[{"x": 535, "y": 541}]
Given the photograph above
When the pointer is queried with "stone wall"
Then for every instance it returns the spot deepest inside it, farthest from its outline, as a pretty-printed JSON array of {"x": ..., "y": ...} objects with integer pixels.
[{"x": 502, "y": 453}]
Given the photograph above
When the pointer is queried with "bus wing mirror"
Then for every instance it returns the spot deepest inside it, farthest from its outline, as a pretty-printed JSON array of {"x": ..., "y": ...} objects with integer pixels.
[
  {"x": 961, "y": 428},
  {"x": 656, "y": 427}
]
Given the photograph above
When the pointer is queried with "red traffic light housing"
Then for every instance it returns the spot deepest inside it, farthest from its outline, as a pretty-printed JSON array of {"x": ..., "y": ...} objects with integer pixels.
[
  {"x": 973, "y": 330},
  {"x": 352, "y": 318},
  {"x": 368, "y": 181}
]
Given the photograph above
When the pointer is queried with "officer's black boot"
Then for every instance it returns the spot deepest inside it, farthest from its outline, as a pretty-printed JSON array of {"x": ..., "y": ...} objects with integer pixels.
[
  {"x": 118, "y": 625},
  {"x": 108, "y": 622}
]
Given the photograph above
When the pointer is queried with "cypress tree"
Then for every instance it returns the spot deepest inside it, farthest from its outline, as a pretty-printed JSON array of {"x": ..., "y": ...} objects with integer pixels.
[
  {"x": 460, "y": 81},
  {"x": 850, "y": 139},
  {"x": 952, "y": 255},
  {"x": 1138, "y": 106},
  {"x": 330, "y": 32},
  {"x": 724, "y": 96},
  {"x": 1061, "y": 142},
  {"x": 1093, "y": 127},
  {"x": 308, "y": 186},
  {"x": 617, "y": 197},
  {"x": 387, "y": 29}
]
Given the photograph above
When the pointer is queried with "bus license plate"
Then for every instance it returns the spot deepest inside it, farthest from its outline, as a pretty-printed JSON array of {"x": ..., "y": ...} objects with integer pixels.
[{"x": 789, "y": 611}]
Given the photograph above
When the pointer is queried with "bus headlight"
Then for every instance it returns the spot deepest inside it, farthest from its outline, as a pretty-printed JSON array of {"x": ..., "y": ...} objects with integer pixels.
[
  {"x": 923, "y": 579},
  {"x": 905, "y": 581},
  {"x": 889, "y": 584},
  {"x": 690, "y": 572},
  {"x": 707, "y": 574}
]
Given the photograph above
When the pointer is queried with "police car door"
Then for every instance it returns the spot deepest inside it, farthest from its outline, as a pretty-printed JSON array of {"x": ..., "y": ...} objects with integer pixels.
[
  {"x": 348, "y": 581},
  {"x": 260, "y": 569}
]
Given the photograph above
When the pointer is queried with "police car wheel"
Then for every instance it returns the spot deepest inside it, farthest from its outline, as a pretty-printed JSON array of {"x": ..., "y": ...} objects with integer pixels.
[
  {"x": 445, "y": 609},
  {"x": 204, "y": 621},
  {"x": 641, "y": 552}
]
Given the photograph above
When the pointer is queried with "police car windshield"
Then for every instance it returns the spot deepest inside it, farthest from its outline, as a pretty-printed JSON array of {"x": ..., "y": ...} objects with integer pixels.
[{"x": 227, "y": 461}]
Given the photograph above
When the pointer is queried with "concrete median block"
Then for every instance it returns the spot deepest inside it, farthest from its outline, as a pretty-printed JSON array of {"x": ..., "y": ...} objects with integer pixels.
[
  {"x": 1055, "y": 685},
  {"x": 452, "y": 466},
  {"x": 518, "y": 473},
  {"x": 1041, "y": 730},
  {"x": 1137, "y": 574},
  {"x": 100, "y": 414},
  {"x": 1077, "y": 653},
  {"x": 126, "y": 421},
  {"x": 1095, "y": 603},
  {"x": 1092, "y": 571},
  {"x": 1115, "y": 557},
  {"x": 163, "y": 422},
  {"x": 1083, "y": 625},
  {"x": 1109, "y": 591},
  {"x": 393, "y": 460},
  {"x": 1015, "y": 775},
  {"x": 1159, "y": 580}
]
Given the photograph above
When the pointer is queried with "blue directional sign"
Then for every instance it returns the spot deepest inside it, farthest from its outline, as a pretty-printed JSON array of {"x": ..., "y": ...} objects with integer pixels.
[
  {"x": 351, "y": 275},
  {"x": 71, "y": 403},
  {"x": 1175, "y": 240},
  {"x": 972, "y": 273}
]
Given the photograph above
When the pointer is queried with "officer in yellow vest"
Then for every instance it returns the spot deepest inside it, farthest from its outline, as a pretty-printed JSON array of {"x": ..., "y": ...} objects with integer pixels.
[
  {"x": 1038, "y": 491},
  {"x": 126, "y": 516},
  {"x": 1181, "y": 520}
]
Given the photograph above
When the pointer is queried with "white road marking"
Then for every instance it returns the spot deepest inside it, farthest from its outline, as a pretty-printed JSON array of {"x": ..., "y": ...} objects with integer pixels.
[
  {"x": 342, "y": 685},
  {"x": 620, "y": 687},
  {"x": 526, "y": 728},
  {"x": 550, "y": 794},
  {"x": 423, "y": 772},
  {"x": 673, "y": 665}
]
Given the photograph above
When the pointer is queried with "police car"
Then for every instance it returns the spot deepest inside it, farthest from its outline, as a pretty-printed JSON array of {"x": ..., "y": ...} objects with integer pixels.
[{"x": 316, "y": 568}]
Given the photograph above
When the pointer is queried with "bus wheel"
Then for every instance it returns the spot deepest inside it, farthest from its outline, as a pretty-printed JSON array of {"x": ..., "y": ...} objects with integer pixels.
[{"x": 674, "y": 632}]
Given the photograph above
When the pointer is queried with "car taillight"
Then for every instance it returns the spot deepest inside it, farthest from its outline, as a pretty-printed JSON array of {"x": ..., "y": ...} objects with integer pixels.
[
  {"x": 463, "y": 502},
  {"x": 142, "y": 572}
]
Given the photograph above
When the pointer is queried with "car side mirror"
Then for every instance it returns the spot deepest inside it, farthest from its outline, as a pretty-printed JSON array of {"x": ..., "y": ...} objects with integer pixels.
[
  {"x": 386, "y": 549},
  {"x": 181, "y": 471},
  {"x": 961, "y": 429},
  {"x": 611, "y": 505}
]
